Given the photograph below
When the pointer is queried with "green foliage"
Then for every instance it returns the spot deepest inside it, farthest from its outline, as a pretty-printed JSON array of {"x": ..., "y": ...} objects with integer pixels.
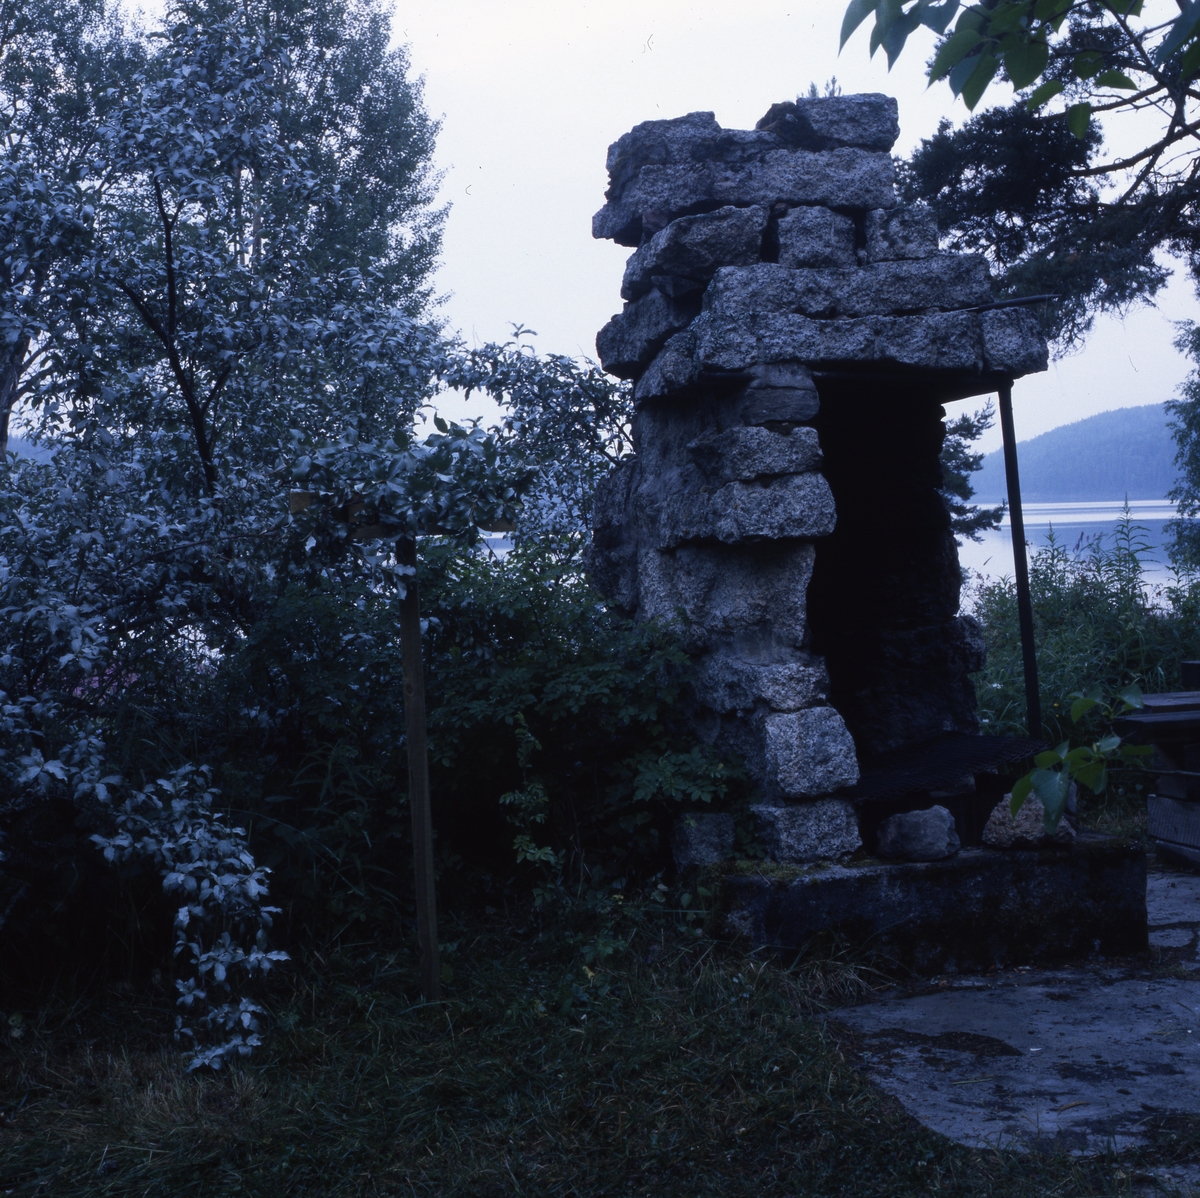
[
  {"x": 539, "y": 694},
  {"x": 1028, "y": 184},
  {"x": 1021, "y": 190},
  {"x": 1026, "y": 40},
  {"x": 554, "y": 761},
  {"x": 1184, "y": 422},
  {"x": 1096, "y": 624},
  {"x": 1087, "y": 764}
]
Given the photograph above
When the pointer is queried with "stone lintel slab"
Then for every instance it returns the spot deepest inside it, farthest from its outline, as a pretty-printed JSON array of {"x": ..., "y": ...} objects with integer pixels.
[
  {"x": 976, "y": 910},
  {"x": 946, "y": 282},
  {"x": 941, "y": 341}
]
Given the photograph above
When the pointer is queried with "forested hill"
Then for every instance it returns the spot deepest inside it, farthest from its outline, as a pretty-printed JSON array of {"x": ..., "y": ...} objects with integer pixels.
[{"x": 1126, "y": 453}]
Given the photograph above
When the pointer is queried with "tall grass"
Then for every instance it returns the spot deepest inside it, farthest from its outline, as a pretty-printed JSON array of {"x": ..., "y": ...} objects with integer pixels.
[{"x": 674, "y": 1066}]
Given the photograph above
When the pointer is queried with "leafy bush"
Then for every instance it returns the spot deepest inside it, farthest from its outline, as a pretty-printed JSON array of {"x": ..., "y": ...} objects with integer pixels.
[
  {"x": 553, "y": 754},
  {"x": 1097, "y": 623}
]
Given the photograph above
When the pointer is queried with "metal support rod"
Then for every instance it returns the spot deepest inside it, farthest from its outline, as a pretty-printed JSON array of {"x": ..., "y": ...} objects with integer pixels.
[
  {"x": 418, "y": 775},
  {"x": 1033, "y": 703}
]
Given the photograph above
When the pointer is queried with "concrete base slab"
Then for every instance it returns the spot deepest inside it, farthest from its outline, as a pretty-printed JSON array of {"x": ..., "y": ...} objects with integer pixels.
[
  {"x": 1084, "y": 1059},
  {"x": 1059, "y": 1062},
  {"x": 978, "y": 910}
]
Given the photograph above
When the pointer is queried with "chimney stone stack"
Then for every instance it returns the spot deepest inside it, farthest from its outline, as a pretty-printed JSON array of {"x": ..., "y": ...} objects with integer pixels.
[{"x": 791, "y": 333}]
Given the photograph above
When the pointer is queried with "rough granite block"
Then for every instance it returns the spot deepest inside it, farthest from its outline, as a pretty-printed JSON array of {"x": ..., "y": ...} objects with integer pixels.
[
  {"x": 724, "y": 593},
  {"x": 673, "y": 371},
  {"x": 660, "y": 193},
  {"x": 799, "y": 505},
  {"x": 919, "y": 836},
  {"x": 693, "y": 247},
  {"x": 870, "y": 120},
  {"x": 746, "y": 454},
  {"x": 1027, "y": 830},
  {"x": 908, "y": 231},
  {"x": 742, "y": 293},
  {"x": 631, "y": 338},
  {"x": 725, "y": 683},
  {"x": 815, "y": 237},
  {"x": 778, "y": 393},
  {"x": 1013, "y": 342},
  {"x": 809, "y": 753},
  {"x": 821, "y": 830},
  {"x": 975, "y": 911},
  {"x": 938, "y": 341}
]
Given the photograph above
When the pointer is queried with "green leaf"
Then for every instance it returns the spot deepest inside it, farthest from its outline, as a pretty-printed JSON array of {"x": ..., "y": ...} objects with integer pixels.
[
  {"x": 1053, "y": 788},
  {"x": 1087, "y": 63},
  {"x": 1093, "y": 775},
  {"x": 1080, "y": 708},
  {"x": 1078, "y": 116},
  {"x": 952, "y": 51},
  {"x": 857, "y": 11},
  {"x": 1047, "y": 91},
  {"x": 1007, "y": 17},
  {"x": 1107, "y": 744},
  {"x": 1190, "y": 62},
  {"x": 980, "y": 77},
  {"x": 938, "y": 16},
  {"x": 1115, "y": 79},
  {"x": 1051, "y": 11},
  {"x": 897, "y": 35},
  {"x": 886, "y": 14},
  {"x": 1020, "y": 792},
  {"x": 1025, "y": 62}
]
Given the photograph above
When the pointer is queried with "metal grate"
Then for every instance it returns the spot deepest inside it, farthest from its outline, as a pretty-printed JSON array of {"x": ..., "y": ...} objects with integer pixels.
[{"x": 938, "y": 764}]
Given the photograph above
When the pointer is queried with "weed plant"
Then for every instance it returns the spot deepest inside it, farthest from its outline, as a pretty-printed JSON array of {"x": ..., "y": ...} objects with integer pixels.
[{"x": 670, "y": 1065}]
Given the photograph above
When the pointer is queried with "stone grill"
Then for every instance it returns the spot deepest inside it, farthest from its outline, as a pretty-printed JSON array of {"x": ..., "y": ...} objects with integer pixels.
[{"x": 792, "y": 333}]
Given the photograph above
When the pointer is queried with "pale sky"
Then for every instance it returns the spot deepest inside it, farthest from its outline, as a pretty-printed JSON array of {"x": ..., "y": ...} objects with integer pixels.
[{"x": 532, "y": 93}]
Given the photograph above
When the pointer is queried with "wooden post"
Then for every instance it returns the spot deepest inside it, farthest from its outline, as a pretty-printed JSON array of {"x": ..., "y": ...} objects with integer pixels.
[
  {"x": 1033, "y": 702},
  {"x": 418, "y": 774}
]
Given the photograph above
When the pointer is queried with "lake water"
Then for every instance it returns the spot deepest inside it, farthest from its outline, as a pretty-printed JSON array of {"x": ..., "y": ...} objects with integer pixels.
[{"x": 1074, "y": 525}]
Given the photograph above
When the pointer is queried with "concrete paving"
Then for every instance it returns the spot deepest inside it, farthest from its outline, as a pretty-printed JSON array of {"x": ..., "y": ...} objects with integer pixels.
[{"x": 1082, "y": 1059}]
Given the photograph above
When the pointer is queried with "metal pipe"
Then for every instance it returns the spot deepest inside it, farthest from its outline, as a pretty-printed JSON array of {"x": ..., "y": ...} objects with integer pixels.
[{"x": 1033, "y": 703}]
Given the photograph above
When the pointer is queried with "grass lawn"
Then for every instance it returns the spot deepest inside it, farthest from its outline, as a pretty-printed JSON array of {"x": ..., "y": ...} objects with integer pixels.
[{"x": 675, "y": 1066}]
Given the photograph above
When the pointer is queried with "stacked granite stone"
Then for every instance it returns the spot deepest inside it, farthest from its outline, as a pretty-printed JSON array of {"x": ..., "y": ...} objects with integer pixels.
[{"x": 788, "y": 325}]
